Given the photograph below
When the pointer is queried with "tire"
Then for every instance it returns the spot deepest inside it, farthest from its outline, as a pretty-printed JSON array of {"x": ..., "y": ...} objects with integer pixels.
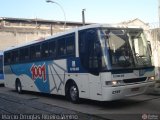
[
  {"x": 73, "y": 93},
  {"x": 18, "y": 87}
]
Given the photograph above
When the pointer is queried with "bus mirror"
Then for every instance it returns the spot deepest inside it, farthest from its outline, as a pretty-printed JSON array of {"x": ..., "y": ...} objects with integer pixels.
[{"x": 149, "y": 46}]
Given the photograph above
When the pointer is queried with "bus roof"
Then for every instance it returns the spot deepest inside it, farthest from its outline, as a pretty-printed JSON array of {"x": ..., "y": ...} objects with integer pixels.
[{"x": 71, "y": 31}]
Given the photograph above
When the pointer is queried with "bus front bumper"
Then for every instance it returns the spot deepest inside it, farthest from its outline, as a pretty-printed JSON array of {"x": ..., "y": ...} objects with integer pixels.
[{"x": 120, "y": 92}]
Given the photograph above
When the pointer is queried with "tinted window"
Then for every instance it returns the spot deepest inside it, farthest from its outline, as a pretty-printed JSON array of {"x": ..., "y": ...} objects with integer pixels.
[
  {"x": 14, "y": 56},
  {"x": 24, "y": 54},
  {"x": 38, "y": 51},
  {"x": 61, "y": 47},
  {"x": 32, "y": 52},
  {"x": 52, "y": 49},
  {"x": 1, "y": 64},
  {"x": 45, "y": 50},
  {"x": 70, "y": 45},
  {"x": 88, "y": 49},
  {"x": 56, "y": 48},
  {"x": 22, "y": 57},
  {"x": 7, "y": 58}
]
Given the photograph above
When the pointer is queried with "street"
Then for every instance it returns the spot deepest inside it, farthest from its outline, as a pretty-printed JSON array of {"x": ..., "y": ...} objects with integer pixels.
[{"x": 43, "y": 106}]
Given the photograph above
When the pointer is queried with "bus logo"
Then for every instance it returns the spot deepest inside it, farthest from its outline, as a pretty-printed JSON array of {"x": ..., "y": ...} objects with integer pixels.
[{"x": 38, "y": 72}]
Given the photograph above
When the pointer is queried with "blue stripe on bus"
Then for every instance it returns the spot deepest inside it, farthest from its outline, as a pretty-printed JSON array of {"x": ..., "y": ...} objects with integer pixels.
[
  {"x": 30, "y": 68},
  {"x": 39, "y": 73}
]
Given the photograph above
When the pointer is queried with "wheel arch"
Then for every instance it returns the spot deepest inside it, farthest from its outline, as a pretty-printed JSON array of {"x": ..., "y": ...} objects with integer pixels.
[
  {"x": 67, "y": 85},
  {"x": 18, "y": 85},
  {"x": 72, "y": 91},
  {"x": 17, "y": 80}
]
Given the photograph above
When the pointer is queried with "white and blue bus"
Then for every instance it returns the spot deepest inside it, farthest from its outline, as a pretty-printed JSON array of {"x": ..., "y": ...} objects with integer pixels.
[
  {"x": 97, "y": 62},
  {"x": 1, "y": 68}
]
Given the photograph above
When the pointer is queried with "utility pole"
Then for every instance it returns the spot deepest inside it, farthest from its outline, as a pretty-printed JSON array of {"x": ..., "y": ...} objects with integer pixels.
[
  {"x": 83, "y": 16},
  {"x": 159, "y": 11}
]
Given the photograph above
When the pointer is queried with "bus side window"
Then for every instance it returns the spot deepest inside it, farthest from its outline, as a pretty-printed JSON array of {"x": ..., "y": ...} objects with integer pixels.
[
  {"x": 61, "y": 47},
  {"x": 52, "y": 49},
  {"x": 1, "y": 64},
  {"x": 45, "y": 51},
  {"x": 70, "y": 45},
  {"x": 32, "y": 52},
  {"x": 22, "y": 57},
  {"x": 14, "y": 56},
  {"x": 26, "y": 53},
  {"x": 7, "y": 58},
  {"x": 38, "y": 51}
]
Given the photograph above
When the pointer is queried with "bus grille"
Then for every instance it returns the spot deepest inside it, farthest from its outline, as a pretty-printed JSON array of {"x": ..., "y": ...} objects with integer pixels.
[{"x": 134, "y": 80}]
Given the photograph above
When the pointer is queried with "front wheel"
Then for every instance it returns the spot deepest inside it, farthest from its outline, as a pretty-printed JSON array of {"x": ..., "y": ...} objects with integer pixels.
[{"x": 74, "y": 93}]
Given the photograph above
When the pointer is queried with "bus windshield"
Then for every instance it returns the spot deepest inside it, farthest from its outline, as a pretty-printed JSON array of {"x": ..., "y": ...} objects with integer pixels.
[{"x": 124, "y": 48}]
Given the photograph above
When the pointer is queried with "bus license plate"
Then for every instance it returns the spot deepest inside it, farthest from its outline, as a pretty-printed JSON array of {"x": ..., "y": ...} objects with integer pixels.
[{"x": 135, "y": 89}]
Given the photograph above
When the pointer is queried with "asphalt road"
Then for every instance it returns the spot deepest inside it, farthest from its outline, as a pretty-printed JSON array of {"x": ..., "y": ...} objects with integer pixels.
[{"x": 44, "y": 106}]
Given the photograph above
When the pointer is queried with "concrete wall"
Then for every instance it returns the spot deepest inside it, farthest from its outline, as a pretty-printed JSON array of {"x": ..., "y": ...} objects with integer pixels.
[
  {"x": 15, "y": 31},
  {"x": 16, "y": 36},
  {"x": 155, "y": 33}
]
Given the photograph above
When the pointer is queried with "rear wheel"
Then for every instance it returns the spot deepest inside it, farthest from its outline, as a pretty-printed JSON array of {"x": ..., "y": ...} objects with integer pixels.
[
  {"x": 73, "y": 93},
  {"x": 18, "y": 86}
]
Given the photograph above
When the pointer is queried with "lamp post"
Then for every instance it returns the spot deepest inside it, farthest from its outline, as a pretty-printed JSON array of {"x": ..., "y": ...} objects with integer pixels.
[{"x": 50, "y": 1}]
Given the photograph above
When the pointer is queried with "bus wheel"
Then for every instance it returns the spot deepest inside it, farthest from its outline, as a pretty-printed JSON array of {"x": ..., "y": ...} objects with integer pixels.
[
  {"x": 18, "y": 87},
  {"x": 74, "y": 93}
]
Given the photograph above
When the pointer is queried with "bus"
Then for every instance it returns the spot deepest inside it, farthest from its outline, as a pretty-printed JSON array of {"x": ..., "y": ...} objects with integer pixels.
[
  {"x": 99, "y": 62},
  {"x": 1, "y": 68}
]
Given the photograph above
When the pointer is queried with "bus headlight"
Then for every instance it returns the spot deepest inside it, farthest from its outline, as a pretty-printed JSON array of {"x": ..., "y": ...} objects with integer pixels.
[
  {"x": 114, "y": 83},
  {"x": 151, "y": 78}
]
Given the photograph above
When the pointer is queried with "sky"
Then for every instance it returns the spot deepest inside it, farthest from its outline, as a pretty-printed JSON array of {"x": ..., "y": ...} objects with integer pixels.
[{"x": 96, "y": 11}]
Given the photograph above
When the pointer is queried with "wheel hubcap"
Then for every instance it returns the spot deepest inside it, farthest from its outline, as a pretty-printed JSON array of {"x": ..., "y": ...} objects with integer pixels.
[
  {"x": 19, "y": 88},
  {"x": 73, "y": 92}
]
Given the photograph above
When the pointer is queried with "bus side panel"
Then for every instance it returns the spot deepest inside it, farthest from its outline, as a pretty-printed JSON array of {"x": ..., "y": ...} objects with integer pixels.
[
  {"x": 76, "y": 72},
  {"x": 31, "y": 75},
  {"x": 95, "y": 87},
  {"x": 11, "y": 74},
  {"x": 27, "y": 83},
  {"x": 82, "y": 82},
  {"x": 56, "y": 75},
  {"x": 10, "y": 78}
]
